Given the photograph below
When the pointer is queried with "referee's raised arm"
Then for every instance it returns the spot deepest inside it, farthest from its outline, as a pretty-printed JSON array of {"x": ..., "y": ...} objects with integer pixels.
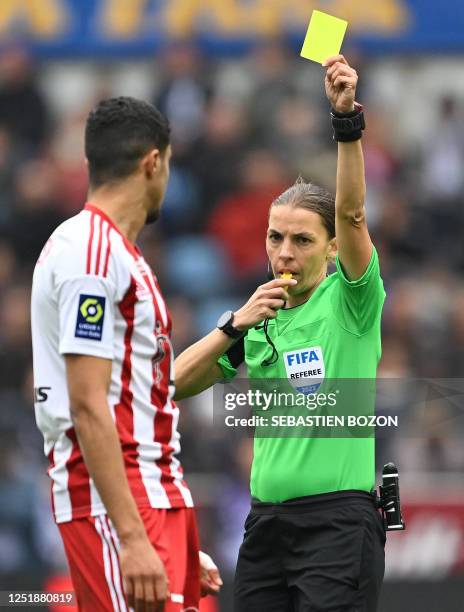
[{"x": 353, "y": 240}]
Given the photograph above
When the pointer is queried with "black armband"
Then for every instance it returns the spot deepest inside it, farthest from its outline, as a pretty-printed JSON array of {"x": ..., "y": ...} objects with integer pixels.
[
  {"x": 348, "y": 127},
  {"x": 236, "y": 353}
]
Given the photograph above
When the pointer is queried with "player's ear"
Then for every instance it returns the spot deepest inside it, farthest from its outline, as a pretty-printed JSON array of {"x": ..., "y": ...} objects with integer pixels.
[{"x": 151, "y": 163}]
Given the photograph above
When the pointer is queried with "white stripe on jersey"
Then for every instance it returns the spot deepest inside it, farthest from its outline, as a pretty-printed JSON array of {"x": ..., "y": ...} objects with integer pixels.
[
  {"x": 61, "y": 499},
  {"x": 115, "y": 543},
  {"x": 99, "y": 245},
  {"x": 107, "y": 562},
  {"x": 95, "y": 222},
  {"x": 99, "y": 270},
  {"x": 114, "y": 551},
  {"x": 113, "y": 532},
  {"x": 161, "y": 304}
]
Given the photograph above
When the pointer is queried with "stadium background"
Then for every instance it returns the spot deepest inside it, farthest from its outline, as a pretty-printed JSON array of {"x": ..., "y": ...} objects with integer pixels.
[{"x": 248, "y": 117}]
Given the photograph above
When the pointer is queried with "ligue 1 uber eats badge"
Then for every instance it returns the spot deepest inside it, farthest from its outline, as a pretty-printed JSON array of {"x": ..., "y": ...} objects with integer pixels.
[{"x": 90, "y": 316}]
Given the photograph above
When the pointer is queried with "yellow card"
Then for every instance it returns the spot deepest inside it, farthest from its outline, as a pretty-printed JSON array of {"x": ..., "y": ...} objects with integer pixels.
[{"x": 324, "y": 37}]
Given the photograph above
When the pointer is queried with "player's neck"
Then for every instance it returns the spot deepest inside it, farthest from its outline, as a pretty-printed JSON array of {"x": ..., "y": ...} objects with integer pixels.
[{"x": 123, "y": 206}]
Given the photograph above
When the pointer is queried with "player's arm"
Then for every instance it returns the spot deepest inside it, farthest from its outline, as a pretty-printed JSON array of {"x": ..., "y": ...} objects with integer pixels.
[
  {"x": 196, "y": 369},
  {"x": 353, "y": 240},
  {"x": 88, "y": 381}
]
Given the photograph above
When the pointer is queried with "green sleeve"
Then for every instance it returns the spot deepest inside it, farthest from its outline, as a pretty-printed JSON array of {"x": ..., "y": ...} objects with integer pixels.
[
  {"x": 358, "y": 303},
  {"x": 227, "y": 368}
]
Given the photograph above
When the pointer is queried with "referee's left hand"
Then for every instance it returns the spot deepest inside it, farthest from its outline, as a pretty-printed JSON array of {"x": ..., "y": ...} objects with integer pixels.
[
  {"x": 340, "y": 83},
  {"x": 210, "y": 579}
]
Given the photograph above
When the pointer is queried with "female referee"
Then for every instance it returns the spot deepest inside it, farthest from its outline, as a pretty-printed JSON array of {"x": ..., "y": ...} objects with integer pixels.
[{"x": 314, "y": 540}]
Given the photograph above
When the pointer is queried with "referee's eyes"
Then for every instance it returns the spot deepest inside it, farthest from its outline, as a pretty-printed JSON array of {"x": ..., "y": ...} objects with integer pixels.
[{"x": 274, "y": 237}]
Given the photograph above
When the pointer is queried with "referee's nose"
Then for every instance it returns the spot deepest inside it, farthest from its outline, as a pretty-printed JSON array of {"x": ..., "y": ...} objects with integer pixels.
[{"x": 286, "y": 250}]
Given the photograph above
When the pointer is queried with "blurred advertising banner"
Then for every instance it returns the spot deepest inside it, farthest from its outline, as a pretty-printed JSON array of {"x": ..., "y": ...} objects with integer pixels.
[
  {"x": 432, "y": 547},
  {"x": 73, "y": 28}
]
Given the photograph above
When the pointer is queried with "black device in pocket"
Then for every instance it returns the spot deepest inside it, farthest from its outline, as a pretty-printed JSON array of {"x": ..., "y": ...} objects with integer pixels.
[{"x": 389, "y": 501}]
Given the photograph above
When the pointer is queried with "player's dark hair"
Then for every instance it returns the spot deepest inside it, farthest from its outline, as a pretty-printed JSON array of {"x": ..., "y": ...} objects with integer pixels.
[
  {"x": 118, "y": 133},
  {"x": 311, "y": 197}
]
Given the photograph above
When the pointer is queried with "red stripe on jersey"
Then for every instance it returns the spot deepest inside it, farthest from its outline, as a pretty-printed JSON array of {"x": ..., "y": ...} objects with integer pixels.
[
  {"x": 123, "y": 411},
  {"x": 100, "y": 239},
  {"x": 108, "y": 250},
  {"x": 163, "y": 433},
  {"x": 78, "y": 477},
  {"x": 98, "y": 211},
  {"x": 89, "y": 246},
  {"x": 51, "y": 459},
  {"x": 132, "y": 248}
]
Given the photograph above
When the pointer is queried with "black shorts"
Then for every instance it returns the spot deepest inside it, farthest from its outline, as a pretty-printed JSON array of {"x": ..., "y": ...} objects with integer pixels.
[{"x": 322, "y": 553}]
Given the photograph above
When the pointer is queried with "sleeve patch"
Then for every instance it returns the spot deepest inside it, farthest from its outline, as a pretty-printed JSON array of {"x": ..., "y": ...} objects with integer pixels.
[{"x": 90, "y": 317}]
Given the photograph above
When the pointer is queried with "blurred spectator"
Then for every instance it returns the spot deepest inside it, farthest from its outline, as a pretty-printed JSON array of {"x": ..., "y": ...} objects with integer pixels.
[
  {"x": 295, "y": 133},
  {"x": 183, "y": 325},
  {"x": 219, "y": 152},
  {"x": 184, "y": 92},
  {"x": 8, "y": 162},
  {"x": 17, "y": 492},
  {"x": 37, "y": 212},
  {"x": 240, "y": 220},
  {"x": 204, "y": 271},
  {"x": 15, "y": 349},
  {"x": 22, "y": 106},
  {"x": 7, "y": 264},
  {"x": 434, "y": 443},
  {"x": 395, "y": 361},
  {"x": 274, "y": 83},
  {"x": 67, "y": 155},
  {"x": 443, "y": 155},
  {"x": 380, "y": 164},
  {"x": 182, "y": 208},
  {"x": 454, "y": 338}
]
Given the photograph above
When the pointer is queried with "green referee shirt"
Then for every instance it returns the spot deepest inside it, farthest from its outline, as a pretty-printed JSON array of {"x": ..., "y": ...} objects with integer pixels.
[{"x": 339, "y": 329}]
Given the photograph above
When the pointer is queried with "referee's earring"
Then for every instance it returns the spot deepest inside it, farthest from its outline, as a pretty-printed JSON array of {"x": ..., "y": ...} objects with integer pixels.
[{"x": 270, "y": 273}]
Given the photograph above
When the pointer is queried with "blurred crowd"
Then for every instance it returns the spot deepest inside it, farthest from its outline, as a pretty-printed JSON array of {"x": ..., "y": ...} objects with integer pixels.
[{"x": 243, "y": 129}]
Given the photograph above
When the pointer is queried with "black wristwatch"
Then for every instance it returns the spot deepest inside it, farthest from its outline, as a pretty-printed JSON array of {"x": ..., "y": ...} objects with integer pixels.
[{"x": 225, "y": 325}]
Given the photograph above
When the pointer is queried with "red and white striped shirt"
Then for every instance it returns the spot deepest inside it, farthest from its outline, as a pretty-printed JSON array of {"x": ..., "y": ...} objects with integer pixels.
[{"x": 94, "y": 294}]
